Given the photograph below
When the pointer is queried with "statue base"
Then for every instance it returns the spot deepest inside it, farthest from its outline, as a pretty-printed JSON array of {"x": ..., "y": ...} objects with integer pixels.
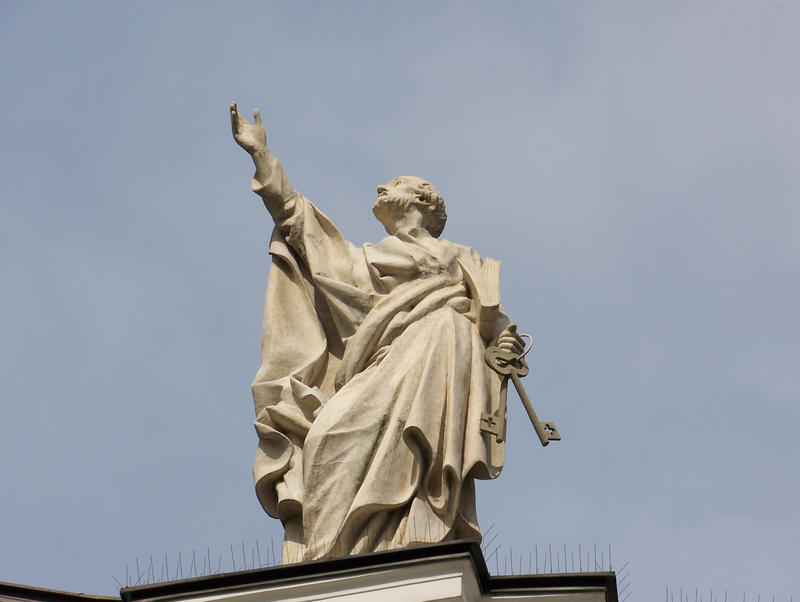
[{"x": 452, "y": 571}]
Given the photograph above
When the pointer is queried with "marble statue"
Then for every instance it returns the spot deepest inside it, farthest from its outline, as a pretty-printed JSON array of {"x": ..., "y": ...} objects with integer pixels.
[{"x": 372, "y": 387}]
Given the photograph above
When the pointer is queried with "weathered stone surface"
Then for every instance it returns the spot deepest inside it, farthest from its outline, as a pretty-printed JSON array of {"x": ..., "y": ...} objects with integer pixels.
[{"x": 373, "y": 381}]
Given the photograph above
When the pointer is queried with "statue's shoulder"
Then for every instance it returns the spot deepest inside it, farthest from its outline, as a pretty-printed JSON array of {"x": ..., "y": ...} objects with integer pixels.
[{"x": 460, "y": 250}]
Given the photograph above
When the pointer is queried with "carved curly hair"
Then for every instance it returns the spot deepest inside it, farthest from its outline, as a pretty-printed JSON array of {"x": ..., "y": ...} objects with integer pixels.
[{"x": 431, "y": 204}]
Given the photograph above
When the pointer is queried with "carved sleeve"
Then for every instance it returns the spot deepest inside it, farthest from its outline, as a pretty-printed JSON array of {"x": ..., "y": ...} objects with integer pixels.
[{"x": 281, "y": 200}]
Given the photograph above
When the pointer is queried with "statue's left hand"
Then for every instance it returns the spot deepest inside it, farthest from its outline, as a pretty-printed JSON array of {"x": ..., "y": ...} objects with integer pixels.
[
  {"x": 251, "y": 137},
  {"x": 509, "y": 340}
]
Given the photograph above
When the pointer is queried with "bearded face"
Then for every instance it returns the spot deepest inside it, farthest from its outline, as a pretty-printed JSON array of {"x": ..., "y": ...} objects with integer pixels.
[
  {"x": 390, "y": 208},
  {"x": 399, "y": 195}
]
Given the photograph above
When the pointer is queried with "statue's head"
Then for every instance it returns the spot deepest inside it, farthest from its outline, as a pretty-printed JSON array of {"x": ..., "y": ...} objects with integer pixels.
[{"x": 408, "y": 200}]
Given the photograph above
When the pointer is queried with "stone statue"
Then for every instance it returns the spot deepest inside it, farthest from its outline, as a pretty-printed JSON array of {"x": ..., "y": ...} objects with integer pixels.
[{"x": 373, "y": 387}]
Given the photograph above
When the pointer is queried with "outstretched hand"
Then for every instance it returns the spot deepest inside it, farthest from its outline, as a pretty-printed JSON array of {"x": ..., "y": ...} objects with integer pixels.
[{"x": 251, "y": 137}]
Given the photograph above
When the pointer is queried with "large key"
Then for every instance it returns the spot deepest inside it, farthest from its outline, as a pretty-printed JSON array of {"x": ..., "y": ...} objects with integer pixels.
[{"x": 511, "y": 365}]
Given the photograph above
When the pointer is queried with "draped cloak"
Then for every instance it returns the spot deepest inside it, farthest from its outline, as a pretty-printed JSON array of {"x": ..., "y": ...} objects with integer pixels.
[{"x": 371, "y": 388}]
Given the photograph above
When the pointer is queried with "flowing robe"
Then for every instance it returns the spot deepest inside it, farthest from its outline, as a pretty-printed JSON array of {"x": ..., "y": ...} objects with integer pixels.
[{"x": 372, "y": 384}]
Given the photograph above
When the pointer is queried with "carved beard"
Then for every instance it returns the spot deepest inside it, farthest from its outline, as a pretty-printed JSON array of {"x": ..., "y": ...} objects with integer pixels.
[{"x": 388, "y": 206}]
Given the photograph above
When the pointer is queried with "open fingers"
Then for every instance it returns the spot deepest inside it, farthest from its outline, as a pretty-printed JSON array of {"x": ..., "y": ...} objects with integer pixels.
[
  {"x": 234, "y": 118},
  {"x": 257, "y": 116},
  {"x": 237, "y": 121}
]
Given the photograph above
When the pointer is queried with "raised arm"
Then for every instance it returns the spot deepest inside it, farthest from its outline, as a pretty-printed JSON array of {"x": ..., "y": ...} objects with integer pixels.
[{"x": 269, "y": 181}]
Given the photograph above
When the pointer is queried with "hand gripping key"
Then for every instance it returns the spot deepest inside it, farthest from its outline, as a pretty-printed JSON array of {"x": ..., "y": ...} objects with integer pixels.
[{"x": 509, "y": 364}]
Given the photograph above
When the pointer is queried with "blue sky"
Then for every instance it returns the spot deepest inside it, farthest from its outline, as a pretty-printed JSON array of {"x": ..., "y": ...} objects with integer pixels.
[{"x": 634, "y": 166}]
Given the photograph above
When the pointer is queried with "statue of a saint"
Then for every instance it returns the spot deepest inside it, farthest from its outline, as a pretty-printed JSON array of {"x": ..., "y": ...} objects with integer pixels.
[{"x": 373, "y": 382}]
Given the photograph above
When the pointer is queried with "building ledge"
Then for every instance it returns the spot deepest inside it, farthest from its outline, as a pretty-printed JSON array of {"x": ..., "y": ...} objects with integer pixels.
[{"x": 446, "y": 572}]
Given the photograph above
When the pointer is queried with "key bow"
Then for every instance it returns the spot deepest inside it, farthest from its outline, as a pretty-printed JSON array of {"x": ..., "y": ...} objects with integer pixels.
[{"x": 506, "y": 362}]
